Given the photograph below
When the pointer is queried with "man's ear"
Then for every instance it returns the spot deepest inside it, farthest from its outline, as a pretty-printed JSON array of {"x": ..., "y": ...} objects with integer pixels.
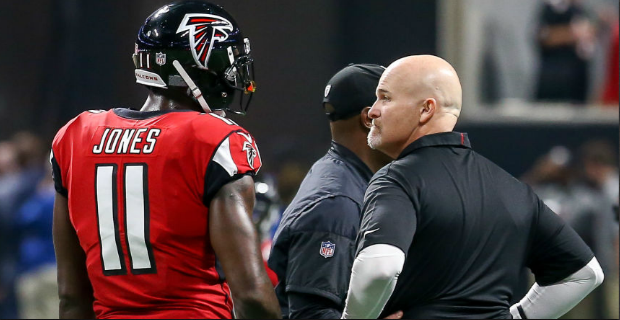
[
  {"x": 427, "y": 110},
  {"x": 365, "y": 119}
]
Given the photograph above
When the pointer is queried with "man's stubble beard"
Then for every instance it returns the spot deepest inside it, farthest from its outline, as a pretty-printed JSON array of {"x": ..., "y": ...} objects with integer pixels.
[{"x": 374, "y": 138}]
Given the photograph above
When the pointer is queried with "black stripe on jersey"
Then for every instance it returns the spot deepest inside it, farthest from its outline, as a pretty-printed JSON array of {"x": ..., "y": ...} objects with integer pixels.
[
  {"x": 220, "y": 270},
  {"x": 221, "y": 278},
  {"x": 143, "y": 115},
  {"x": 57, "y": 177}
]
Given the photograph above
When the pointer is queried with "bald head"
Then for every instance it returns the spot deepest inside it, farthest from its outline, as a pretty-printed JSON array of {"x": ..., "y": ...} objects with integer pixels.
[
  {"x": 430, "y": 77},
  {"x": 416, "y": 96}
]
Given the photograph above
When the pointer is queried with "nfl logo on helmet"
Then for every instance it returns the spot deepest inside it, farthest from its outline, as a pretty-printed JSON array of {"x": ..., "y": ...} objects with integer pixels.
[
  {"x": 327, "y": 249},
  {"x": 160, "y": 58}
]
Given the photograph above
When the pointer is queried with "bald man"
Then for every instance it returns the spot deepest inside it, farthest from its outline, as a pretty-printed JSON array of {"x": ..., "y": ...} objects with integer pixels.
[{"x": 446, "y": 233}]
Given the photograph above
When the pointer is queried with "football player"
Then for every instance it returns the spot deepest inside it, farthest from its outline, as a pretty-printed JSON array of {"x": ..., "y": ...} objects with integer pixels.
[{"x": 151, "y": 203}]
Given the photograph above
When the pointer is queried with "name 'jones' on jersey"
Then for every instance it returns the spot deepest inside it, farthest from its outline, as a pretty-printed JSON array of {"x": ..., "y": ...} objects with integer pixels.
[{"x": 127, "y": 141}]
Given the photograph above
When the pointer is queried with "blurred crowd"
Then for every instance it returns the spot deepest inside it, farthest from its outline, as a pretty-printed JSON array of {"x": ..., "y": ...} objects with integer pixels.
[
  {"x": 551, "y": 51},
  {"x": 567, "y": 38},
  {"x": 27, "y": 263},
  {"x": 580, "y": 185}
]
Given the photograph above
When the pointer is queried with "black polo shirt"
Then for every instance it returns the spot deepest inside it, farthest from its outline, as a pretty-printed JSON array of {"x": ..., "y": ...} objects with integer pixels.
[
  {"x": 469, "y": 231},
  {"x": 314, "y": 246}
]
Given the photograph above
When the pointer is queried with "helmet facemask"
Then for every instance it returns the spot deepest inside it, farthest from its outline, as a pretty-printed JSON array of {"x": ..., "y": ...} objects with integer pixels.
[{"x": 240, "y": 76}]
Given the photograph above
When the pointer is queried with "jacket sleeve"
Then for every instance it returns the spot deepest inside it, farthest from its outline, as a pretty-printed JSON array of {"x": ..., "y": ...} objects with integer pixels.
[{"x": 321, "y": 253}]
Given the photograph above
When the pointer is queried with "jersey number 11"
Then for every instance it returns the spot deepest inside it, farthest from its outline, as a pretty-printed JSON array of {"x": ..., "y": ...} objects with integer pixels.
[{"x": 136, "y": 219}]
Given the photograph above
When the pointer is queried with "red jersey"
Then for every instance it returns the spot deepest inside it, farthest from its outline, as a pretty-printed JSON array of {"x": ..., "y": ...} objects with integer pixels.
[{"x": 139, "y": 186}]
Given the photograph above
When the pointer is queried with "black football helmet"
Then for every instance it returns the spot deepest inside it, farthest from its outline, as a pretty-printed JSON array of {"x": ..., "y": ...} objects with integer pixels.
[{"x": 198, "y": 45}]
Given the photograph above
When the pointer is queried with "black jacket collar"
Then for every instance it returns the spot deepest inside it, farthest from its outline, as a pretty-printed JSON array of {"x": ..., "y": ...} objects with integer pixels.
[
  {"x": 348, "y": 156},
  {"x": 454, "y": 139}
]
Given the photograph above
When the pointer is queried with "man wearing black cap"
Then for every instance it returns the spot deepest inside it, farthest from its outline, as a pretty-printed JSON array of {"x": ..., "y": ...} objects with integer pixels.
[{"x": 314, "y": 245}]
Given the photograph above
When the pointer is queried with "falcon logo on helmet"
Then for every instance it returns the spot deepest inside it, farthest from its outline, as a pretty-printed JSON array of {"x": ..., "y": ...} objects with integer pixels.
[{"x": 204, "y": 30}]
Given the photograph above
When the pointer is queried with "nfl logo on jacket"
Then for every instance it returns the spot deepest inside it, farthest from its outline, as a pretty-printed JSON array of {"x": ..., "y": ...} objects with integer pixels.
[{"x": 327, "y": 249}]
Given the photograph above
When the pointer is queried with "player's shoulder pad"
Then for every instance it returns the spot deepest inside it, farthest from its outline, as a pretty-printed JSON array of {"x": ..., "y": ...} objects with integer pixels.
[
  {"x": 210, "y": 127},
  {"x": 75, "y": 122},
  {"x": 243, "y": 151},
  {"x": 64, "y": 129},
  {"x": 235, "y": 149}
]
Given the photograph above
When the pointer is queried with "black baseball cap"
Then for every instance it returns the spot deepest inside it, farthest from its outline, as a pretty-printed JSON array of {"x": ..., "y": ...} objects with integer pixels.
[{"x": 351, "y": 90}]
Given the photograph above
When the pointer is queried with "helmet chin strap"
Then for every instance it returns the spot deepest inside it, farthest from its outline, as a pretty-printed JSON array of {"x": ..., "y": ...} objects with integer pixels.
[{"x": 192, "y": 86}]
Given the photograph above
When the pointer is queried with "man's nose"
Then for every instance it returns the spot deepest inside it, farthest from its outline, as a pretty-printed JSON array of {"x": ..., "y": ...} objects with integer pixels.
[{"x": 374, "y": 112}]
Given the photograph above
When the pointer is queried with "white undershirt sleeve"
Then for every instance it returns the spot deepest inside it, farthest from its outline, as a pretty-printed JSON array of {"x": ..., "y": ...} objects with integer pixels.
[
  {"x": 553, "y": 301},
  {"x": 373, "y": 279}
]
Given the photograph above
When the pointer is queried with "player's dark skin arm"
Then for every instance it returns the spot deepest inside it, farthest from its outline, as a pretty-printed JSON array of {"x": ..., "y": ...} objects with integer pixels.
[
  {"x": 74, "y": 287},
  {"x": 235, "y": 242}
]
